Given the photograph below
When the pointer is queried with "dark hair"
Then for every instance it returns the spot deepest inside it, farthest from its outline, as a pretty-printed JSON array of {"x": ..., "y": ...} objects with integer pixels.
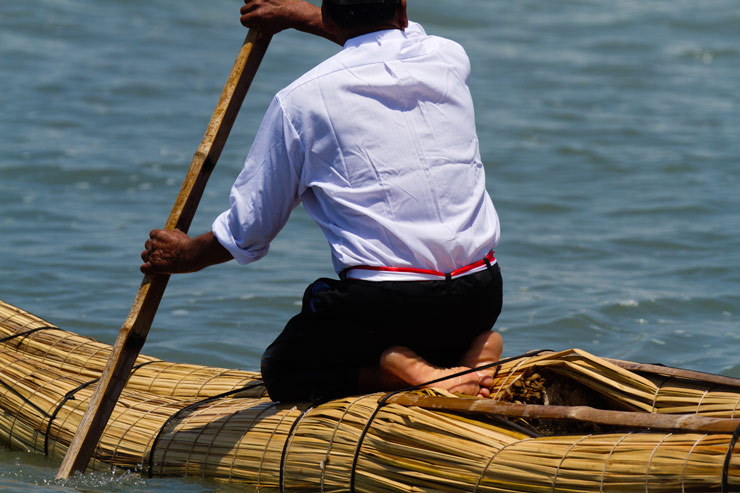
[{"x": 361, "y": 14}]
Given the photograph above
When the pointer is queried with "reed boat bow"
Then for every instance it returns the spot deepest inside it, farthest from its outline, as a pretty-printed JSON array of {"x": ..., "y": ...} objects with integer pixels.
[{"x": 557, "y": 421}]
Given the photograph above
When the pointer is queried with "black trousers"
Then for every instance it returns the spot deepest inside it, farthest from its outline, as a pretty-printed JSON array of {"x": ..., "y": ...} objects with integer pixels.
[{"x": 346, "y": 324}]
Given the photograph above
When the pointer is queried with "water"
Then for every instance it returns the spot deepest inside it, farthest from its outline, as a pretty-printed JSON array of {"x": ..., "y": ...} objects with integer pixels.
[{"x": 610, "y": 133}]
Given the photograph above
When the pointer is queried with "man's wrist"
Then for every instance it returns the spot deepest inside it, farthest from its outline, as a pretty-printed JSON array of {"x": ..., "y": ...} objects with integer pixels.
[{"x": 209, "y": 250}]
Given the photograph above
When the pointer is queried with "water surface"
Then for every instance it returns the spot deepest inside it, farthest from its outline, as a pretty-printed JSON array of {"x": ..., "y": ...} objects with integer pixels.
[{"x": 610, "y": 133}]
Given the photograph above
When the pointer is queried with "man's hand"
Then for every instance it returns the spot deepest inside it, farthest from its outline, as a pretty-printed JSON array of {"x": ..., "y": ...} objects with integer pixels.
[
  {"x": 273, "y": 16},
  {"x": 174, "y": 252},
  {"x": 167, "y": 252}
]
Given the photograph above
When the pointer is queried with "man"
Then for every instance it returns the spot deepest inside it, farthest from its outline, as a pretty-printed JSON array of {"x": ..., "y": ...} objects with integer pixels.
[{"x": 379, "y": 144}]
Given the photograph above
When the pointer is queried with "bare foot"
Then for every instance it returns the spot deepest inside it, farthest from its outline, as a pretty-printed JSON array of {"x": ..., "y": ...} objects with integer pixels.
[
  {"x": 485, "y": 349},
  {"x": 400, "y": 363}
]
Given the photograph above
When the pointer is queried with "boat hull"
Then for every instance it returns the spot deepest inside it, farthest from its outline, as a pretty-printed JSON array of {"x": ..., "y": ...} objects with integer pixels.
[{"x": 187, "y": 420}]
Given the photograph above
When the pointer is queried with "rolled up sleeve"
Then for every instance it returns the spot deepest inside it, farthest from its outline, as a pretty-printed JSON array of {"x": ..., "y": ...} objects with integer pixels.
[{"x": 266, "y": 190}]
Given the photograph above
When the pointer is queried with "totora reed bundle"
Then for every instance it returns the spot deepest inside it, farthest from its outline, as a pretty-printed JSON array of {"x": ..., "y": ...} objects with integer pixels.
[{"x": 177, "y": 419}]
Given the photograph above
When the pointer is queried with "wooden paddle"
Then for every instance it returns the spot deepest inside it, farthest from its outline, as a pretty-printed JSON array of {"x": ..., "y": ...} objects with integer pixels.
[
  {"x": 136, "y": 327},
  {"x": 671, "y": 422}
]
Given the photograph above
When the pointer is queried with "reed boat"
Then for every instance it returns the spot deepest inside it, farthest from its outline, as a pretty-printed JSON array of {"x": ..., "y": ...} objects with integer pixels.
[{"x": 564, "y": 421}]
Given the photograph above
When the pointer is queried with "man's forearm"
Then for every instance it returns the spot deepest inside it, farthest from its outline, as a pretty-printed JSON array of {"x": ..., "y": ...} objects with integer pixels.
[{"x": 208, "y": 251}]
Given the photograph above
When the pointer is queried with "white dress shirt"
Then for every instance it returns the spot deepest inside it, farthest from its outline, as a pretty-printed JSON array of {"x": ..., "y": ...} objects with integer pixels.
[{"x": 379, "y": 143}]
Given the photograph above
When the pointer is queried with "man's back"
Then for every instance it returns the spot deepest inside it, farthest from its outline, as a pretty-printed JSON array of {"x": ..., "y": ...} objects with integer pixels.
[{"x": 390, "y": 166}]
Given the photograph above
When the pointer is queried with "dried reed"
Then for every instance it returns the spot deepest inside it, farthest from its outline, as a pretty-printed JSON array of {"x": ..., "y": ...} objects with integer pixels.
[{"x": 168, "y": 422}]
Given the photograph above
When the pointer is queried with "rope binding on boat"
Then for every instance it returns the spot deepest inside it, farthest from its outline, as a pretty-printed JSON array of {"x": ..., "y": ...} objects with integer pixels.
[
  {"x": 70, "y": 396},
  {"x": 194, "y": 405},
  {"x": 29, "y": 332},
  {"x": 726, "y": 464},
  {"x": 384, "y": 400}
]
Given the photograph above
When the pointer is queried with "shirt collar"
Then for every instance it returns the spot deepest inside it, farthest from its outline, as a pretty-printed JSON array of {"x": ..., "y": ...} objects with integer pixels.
[{"x": 378, "y": 37}]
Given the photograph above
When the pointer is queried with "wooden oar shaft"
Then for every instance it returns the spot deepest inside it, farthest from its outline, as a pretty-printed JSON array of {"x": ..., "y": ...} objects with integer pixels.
[
  {"x": 680, "y": 373},
  {"x": 670, "y": 422},
  {"x": 133, "y": 333},
  {"x": 207, "y": 154}
]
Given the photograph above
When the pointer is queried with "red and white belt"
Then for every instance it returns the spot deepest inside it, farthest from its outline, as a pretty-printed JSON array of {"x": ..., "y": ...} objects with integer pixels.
[{"x": 382, "y": 273}]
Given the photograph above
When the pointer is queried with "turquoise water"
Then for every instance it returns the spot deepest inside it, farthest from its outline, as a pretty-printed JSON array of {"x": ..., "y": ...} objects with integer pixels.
[{"x": 610, "y": 133}]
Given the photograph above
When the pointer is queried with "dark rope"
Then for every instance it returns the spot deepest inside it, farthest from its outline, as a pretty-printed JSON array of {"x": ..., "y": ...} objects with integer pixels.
[
  {"x": 526, "y": 430},
  {"x": 383, "y": 400},
  {"x": 285, "y": 446},
  {"x": 497, "y": 364},
  {"x": 10, "y": 388},
  {"x": 177, "y": 414},
  {"x": 353, "y": 471},
  {"x": 726, "y": 465},
  {"x": 141, "y": 365},
  {"x": 70, "y": 396},
  {"x": 24, "y": 399},
  {"x": 29, "y": 332}
]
